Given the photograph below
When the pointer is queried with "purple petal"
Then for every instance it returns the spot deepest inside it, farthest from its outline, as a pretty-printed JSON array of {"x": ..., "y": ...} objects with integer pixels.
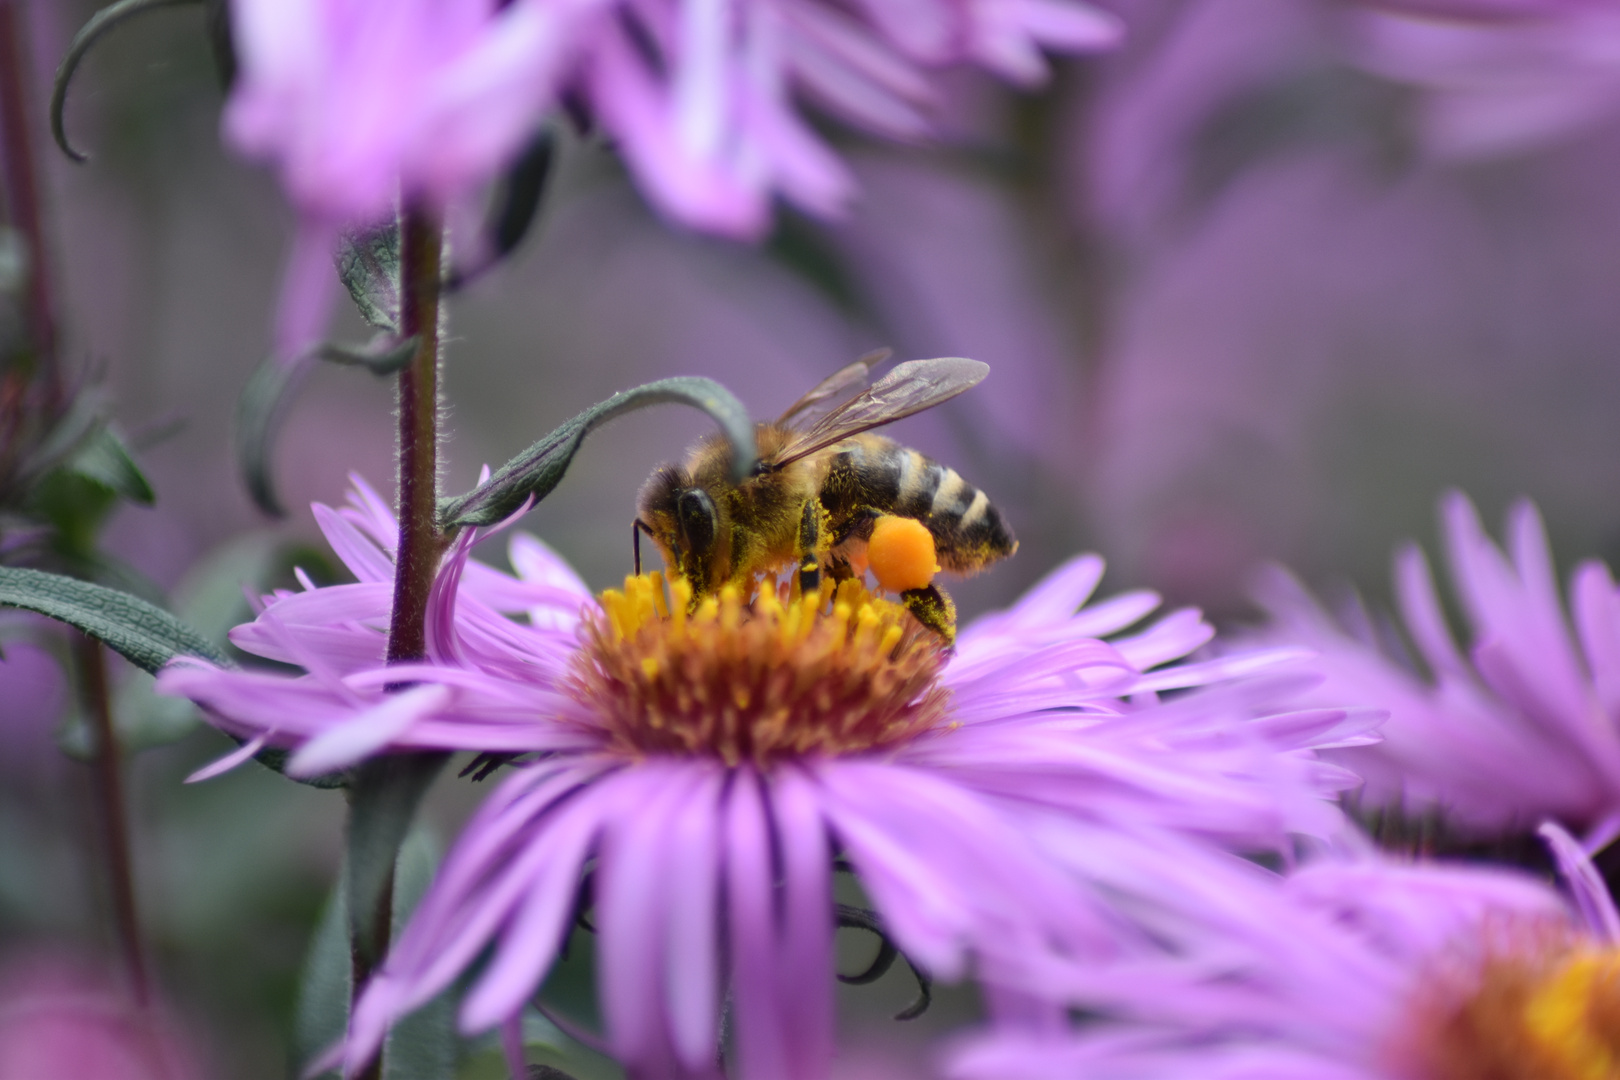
[
  {"x": 631, "y": 874},
  {"x": 366, "y": 733},
  {"x": 691, "y": 967},
  {"x": 806, "y": 966},
  {"x": 1586, "y": 885},
  {"x": 230, "y": 760},
  {"x": 763, "y": 1052}
]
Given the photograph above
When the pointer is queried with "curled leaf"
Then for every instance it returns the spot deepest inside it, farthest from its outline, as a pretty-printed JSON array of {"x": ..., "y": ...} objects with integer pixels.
[
  {"x": 259, "y": 414},
  {"x": 93, "y": 31},
  {"x": 384, "y": 355},
  {"x": 270, "y": 393},
  {"x": 859, "y": 918},
  {"x": 535, "y": 472},
  {"x": 517, "y": 204}
]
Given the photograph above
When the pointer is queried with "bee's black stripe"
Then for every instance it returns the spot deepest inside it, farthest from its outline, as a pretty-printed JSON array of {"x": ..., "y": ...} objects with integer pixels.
[{"x": 902, "y": 481}]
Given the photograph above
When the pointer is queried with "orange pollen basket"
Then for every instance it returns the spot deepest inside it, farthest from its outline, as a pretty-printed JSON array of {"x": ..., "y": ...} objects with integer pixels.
[
  {"x": 1550, "y": 1011},
  {"x": 758, "y": 677}
]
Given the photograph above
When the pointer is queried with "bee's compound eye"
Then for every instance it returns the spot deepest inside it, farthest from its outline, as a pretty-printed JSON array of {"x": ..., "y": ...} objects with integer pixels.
[
  {"x": 699, "y": 520},
  {"x": 901, "y": 554}
]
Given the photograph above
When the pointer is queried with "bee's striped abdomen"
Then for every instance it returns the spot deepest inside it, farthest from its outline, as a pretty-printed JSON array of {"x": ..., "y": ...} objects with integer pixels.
[{"x": 881, "y": 475}]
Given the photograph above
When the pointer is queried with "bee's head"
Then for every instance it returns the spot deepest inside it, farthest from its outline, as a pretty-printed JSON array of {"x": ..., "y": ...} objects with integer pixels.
[{"x": 685, "y": 523}]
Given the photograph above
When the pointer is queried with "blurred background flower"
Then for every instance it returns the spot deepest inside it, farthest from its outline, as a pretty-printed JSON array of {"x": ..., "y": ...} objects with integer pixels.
[{"x": 60, "y": 1018}]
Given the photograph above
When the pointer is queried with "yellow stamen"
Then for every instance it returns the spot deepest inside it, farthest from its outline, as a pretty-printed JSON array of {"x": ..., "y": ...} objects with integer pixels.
[
  {"x": 756, "y": 673},
  {"x": 1545, "y": 1008}
]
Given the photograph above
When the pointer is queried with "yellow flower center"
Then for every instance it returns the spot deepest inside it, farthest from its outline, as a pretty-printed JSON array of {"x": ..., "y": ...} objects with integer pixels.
[
  {"x": 758, "y": 676},
  {"x": 1545, "y": 1013}
]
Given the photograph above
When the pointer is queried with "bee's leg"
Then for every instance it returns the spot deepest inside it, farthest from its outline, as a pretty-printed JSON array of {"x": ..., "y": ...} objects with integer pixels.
[
  {"x": 810, "y": 548},
  {"x": 934, "y": 609},
  {"x": 859, "y": 524}
]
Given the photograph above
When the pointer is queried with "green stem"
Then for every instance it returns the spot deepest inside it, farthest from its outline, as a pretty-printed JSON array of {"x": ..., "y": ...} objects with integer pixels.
[
  {"x": 22, "y": 199},
  {"x": 110, "y": 807}
]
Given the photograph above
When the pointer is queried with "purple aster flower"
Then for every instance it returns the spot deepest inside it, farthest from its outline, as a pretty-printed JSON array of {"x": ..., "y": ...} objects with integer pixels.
[
  {"x": 700, "y": 93},
  {"x": 61, "y": 1017},
  {"x": 1523, "y": 727},
  {"x": 359, "y": 101},
  {"x": 1357, "y": 968},
  {"x": 703, "y": 766},
  {"x": 1497, "y": 76}
]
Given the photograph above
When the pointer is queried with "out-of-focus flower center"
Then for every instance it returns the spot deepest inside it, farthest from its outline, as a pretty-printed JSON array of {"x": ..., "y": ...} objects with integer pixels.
[
  {"x": 761, "y": 676},
  {"x": 1541, "y": 1014}
]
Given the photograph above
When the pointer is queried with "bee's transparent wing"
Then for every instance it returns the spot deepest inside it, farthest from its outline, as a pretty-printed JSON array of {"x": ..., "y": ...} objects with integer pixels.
[
  {"x": 834, "y": 388},
  {"x": 910, "y": 388}
]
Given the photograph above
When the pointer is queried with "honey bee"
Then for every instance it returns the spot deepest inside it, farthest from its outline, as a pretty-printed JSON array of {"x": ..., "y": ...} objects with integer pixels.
[{"x": 821, "y": 486}]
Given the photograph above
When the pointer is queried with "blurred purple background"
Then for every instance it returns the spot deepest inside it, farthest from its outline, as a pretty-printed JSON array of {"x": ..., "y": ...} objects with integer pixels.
[{"x": 1259, "y": 286}]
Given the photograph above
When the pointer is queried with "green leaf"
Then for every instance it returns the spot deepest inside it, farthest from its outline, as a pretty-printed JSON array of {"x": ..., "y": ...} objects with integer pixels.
[
  {"x": 100, "y": 23},
  {"x": 368, "y": 264},
  {"x": 259, "y": 413},
  {"x": 422, "y": 1045},
  {"x": 105, "y": 459},
  {"x": 386, "y": 357},
  {"x": 321, "y": 1015},
  {"x": 536, "y": 471},
  {"x": 210, "y": 600},
  {"x": 143, "y": 633},
  {"x": 84, "y": 416},
  {"x": 270, "y": 393},
  {"x": 75, "y": 507},
  {"x": 515, "y": 207}
]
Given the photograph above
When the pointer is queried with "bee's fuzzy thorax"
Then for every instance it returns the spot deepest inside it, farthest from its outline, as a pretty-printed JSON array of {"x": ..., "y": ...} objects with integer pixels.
[{"x": 758, "y": 677}]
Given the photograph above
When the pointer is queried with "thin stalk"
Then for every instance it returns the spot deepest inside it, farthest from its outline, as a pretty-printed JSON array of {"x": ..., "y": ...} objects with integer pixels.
[
  {"x": 416, "y": 560},
  {"x": 22, "y": 198},
  {"x": 110, "y": 807},
  {"x": 420, "y": 543}
]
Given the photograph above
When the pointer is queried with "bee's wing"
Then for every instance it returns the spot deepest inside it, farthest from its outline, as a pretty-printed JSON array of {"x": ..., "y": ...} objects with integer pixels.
[
  {"x": 910, "y": 388},
  {"x": 843, "y": 381}
]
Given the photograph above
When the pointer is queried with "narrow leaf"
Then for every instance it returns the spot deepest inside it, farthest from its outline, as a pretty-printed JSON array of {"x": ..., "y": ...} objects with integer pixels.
[
  {"x": 218, "y": 25},
  {"x": 324, "y": 987},
  {"x": 143, "y": 633},
  {"x": 535, "y": 472},
  {"x": 105, "y": 459},
  {"x": 421, "y": 1045}
]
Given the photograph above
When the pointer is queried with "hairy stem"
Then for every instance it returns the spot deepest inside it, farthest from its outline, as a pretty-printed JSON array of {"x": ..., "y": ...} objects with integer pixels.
[
  {"x": 416, "y": 562},
  {"x": 110, "y": 807},
  {"x": 22, "y": 198},
  {"x": 420, "y": 542}
]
